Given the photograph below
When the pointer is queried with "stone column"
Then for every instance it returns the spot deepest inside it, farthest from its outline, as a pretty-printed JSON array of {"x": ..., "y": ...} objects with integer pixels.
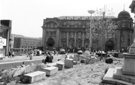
[
  {"x": 44, "y": 38},
  {"x": 60, "y": 39},
  {"x": 118, "y": 40},
  {"x": 7, "y": 43},
  {"x": 57, "y": 37},
  {"x": 75, "y": 40},
  {"x": 83, "y": 39},
  {"x": 67, "y": 38},
  {"x": 131, "y": 38}
]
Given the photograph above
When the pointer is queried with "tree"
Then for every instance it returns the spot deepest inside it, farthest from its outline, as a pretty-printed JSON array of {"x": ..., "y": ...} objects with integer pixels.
[{"x": 102, "y": 29}]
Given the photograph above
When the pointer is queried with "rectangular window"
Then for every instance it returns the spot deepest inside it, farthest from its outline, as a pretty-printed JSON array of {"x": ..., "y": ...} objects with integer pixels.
[{"x": 123, "y": 24}]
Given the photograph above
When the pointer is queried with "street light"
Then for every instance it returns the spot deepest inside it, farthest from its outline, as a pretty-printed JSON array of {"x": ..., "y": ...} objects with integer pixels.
[
  {"x": 91, "y": 12},
  {"x": 90, "y": 38}
]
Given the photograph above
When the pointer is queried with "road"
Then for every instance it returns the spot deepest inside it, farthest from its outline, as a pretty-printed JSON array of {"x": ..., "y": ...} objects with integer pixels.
[
  {"x": 8, "y": 63},
  {"x": 21, "y": 58}
]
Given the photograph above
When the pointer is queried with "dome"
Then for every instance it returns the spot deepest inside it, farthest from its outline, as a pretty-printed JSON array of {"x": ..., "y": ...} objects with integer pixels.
[{"x": 124, "y": 14}]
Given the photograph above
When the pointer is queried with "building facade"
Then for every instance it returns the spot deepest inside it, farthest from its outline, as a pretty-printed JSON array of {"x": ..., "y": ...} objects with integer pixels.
[
  {"x": 72, "y": 32},
  {"x": 5, "y": 32},
  {"x": 26, "y": 42},
  {"x": 22, "y": 44},
  {"x": 13, "y": 36}
]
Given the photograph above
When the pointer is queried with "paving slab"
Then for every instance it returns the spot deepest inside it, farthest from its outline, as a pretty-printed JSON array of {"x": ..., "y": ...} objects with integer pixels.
[
  {"x": 35, "y": 76},
  {"x": 68, "y": 63},
  {"x": 60, "y": 65},
  {"x": 50, "y": 70}
]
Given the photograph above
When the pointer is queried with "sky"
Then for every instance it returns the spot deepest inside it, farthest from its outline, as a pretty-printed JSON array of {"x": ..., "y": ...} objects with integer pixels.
[{"x": 27, "y": 15}]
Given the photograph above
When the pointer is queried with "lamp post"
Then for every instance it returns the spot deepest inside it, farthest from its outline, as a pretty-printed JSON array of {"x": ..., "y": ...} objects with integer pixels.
[{"x": 90, "y": 35}]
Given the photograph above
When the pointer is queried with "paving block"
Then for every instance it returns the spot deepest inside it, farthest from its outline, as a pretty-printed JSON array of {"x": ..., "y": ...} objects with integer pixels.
[
  {"x": 50, "y": 70},
  {"x": 68, "y": 63},
  {"x": 60, "y": 65},
  {"x": 51, "y": 64},
  {"x": 34, "y": 76},
  {"x": 76, "y": 58}
]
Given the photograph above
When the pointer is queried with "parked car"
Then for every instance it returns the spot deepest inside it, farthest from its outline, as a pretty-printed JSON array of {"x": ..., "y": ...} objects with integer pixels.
[{"x": 62, "y": 51}]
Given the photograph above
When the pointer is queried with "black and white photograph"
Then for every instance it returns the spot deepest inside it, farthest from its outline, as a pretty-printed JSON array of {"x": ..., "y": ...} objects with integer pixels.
[{"x": 67, "y": 42}]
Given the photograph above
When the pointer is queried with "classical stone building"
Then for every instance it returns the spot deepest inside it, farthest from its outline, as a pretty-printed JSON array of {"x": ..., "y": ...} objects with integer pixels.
[
  {"x": 66, "y": 32},
  {"x": 71, "y": 32},
  {"x": 124, "y": 33}
]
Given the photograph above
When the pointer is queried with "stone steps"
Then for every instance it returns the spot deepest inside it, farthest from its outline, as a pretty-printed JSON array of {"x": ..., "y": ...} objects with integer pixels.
[
  {"x": 114, "y": 77},
  {"x": 118, "y": 75}
]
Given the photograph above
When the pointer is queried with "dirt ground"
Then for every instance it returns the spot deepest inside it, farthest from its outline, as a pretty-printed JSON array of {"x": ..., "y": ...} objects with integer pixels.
[{"x": 90, "y": 74}]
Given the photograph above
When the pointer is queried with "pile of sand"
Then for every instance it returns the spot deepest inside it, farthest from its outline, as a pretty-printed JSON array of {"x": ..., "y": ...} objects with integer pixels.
[{"x": 90, "y": 74}]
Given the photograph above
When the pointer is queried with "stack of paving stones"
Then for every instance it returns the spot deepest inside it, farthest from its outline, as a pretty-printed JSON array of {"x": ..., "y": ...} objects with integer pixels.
[{"x": 33, "y": 73}]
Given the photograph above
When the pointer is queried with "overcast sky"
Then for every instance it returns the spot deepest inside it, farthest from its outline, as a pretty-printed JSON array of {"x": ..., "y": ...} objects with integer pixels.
[{"x": 27, "y": 15}]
